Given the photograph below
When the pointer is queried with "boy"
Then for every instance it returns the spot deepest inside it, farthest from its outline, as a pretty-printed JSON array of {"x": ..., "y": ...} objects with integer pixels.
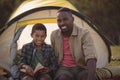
[{"x": 36, "y": 52}]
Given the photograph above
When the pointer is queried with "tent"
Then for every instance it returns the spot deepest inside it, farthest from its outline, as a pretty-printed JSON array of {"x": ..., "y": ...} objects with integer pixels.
[{"x": 30, "y": 12}]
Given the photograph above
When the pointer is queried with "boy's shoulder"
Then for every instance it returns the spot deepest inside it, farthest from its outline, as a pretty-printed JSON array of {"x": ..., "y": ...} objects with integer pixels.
[
  {"x": 56, "y": 32},
  {"x": 27, "y": 45},
  {"x": 47, "y": 47}
]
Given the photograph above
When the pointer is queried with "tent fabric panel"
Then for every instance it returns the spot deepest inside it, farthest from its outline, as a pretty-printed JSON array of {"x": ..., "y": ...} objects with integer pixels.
[
  {"x": 36, "y": 21},
  {"x": 5, "y": 44},
  {"x": 14, "y": 44},
  {"x": 40, "y": 14},
  {"x": 5, "y": 64},
  {"x": 28, "y": 5}
]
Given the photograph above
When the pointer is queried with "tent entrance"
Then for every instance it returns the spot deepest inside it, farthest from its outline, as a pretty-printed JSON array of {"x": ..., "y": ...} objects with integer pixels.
[
  {"x": 47, "y": 17},
  {"x": 23, "y": 36}
]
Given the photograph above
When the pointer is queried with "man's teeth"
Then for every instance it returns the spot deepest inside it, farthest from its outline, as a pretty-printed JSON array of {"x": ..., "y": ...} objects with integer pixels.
[{"x": 64, "y": 27}]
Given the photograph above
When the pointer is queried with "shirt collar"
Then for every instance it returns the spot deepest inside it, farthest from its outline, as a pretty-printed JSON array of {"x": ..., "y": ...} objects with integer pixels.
[
  {"x": 74, "y": 32},
  {"x": 43, "y": 45}
]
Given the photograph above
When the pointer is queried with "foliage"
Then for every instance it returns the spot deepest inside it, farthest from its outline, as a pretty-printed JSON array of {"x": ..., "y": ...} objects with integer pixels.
[{"x": 6, "y": 9}]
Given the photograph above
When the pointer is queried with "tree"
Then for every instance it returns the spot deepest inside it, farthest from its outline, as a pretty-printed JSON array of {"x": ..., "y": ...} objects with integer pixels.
[{"x": 6, "y": 9}]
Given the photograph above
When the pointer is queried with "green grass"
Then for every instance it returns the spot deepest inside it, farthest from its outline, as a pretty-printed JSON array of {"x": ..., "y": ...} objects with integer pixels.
[{"x": 115, "y": 50}]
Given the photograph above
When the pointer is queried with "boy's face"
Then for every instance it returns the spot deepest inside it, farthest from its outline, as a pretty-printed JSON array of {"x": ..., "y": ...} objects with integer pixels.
[{"x": 38, "y": 37}]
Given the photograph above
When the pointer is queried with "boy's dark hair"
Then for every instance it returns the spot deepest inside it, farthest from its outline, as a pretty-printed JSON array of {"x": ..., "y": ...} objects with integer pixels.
[
  {"x": 64, "y": 9},
  {"x": 39, "y": 26}
]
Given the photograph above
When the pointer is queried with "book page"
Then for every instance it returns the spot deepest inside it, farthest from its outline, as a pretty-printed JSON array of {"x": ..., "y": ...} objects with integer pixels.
[{"x": 38, "y": 67}]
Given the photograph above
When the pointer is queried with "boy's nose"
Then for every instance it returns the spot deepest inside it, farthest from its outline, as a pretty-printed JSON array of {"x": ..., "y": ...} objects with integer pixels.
[{"x": 39, "y": 38}]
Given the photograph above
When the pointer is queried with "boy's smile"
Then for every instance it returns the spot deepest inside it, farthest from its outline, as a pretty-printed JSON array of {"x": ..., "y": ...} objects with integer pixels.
[{"x": 39, "y": 37}]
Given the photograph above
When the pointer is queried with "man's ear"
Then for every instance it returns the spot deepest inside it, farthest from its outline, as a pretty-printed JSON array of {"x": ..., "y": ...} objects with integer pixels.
[{"x": 73, "y": 18}]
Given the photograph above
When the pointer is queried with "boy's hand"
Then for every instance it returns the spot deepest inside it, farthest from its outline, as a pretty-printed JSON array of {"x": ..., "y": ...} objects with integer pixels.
[{"x": 28, "y": 69}]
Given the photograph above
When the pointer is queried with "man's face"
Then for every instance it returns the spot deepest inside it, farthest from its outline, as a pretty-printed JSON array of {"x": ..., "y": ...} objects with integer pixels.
[
  {"x": 38, "y": 37},
  {"x": 65, "y": 21}
]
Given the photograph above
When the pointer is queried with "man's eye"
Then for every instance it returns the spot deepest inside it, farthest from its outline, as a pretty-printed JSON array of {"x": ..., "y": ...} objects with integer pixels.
[
  {"x": 58, "y": 20},
  {"x": 65, "y": 19},
  {"x": 40, "y": 36}
]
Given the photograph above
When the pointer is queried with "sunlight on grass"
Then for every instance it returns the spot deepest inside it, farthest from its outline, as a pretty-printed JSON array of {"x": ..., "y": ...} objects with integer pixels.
[{"x": 115, "y": 59}]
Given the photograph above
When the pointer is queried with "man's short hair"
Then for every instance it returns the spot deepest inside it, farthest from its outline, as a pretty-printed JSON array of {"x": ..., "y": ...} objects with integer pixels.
[{"x": 64, "y": 9}]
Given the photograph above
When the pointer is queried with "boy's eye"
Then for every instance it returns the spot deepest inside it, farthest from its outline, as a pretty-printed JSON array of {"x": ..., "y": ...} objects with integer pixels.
[{"x": 39, "y": 36}]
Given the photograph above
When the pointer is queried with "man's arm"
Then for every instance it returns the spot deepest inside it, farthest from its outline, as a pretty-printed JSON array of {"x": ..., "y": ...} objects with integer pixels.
[
  {"x": 52, "y": 39},
  {"x": 90, "y": 54},
  {"x": 91, "y": 65}
]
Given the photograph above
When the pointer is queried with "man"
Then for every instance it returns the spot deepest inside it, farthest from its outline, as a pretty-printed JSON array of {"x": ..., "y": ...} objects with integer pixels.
[{"x": 74, "y": 49}]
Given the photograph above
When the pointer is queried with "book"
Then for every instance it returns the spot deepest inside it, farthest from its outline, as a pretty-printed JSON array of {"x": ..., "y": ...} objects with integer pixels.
[{"x": 39, "y": 68}]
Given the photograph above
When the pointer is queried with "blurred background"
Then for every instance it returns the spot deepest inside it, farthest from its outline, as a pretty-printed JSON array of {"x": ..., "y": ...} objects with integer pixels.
[{"x": 105, "y": 14}]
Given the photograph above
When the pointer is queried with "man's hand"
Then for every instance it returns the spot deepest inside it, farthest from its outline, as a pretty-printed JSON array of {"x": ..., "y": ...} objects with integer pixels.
[{"x": 91, "y": 65}]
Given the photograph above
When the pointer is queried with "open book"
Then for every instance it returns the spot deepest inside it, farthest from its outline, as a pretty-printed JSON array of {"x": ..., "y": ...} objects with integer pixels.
[{"x": 39, "y": 67}]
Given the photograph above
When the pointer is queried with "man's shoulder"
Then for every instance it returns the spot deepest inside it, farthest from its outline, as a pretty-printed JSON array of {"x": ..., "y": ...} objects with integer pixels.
[
  {"x": 81, "y": 29},
  {"x": 56, "y": 32}
]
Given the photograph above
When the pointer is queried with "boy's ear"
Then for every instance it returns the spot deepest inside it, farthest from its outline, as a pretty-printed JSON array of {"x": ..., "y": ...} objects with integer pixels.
[{"x": 31, "y": 35}]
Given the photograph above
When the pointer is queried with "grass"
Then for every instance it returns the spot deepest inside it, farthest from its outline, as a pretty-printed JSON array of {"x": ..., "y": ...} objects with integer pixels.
[{"x": 115, "y": 59}]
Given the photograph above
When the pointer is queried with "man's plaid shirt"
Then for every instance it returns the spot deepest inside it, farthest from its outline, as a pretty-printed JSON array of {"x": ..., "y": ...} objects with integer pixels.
[{"x": 49, "y": 60}]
